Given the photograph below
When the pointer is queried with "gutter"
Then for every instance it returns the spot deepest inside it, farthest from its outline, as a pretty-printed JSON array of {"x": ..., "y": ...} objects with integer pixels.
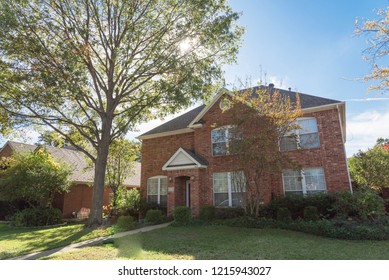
[{"x": 344, "y": 149}]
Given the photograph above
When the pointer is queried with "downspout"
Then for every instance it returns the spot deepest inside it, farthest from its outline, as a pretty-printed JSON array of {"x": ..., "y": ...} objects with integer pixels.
[{"x": 344, "y": 149}]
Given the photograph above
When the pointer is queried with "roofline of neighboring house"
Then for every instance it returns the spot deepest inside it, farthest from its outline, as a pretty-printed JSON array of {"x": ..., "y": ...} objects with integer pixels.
[
  {"x": 9, "y": 142},
  {"x": 194, "y": 124}
]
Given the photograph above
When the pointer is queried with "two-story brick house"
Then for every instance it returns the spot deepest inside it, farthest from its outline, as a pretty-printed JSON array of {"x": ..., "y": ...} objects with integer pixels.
[{"x": 184, "y": 160}]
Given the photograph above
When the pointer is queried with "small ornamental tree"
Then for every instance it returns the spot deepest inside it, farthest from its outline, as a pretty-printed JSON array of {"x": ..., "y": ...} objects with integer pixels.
[
  {"x": 33, "y": 178},
  {"x": 371, "y": 168},
  {"x": 260, "y": 121},
  {"x": 120, "y": 165}
]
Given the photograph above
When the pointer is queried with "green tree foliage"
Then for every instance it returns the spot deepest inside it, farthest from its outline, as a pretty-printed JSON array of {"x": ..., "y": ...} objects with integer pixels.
[
  {"x": 98, "y": 68},
  {"x": 371, "y": 168},
  {"x": 120, "y": 165},
  {"x": 33, "y": 178},
  {"x": 377, "y": 31},
  {"x": 258, "y": 154}
]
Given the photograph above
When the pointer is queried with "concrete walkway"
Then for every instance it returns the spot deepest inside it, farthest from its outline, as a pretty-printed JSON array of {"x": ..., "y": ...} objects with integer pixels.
[{"x": 90, "y": 242}]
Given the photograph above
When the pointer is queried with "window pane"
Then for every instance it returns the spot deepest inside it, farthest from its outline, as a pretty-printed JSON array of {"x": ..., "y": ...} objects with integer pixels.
[
  {"x": 219, "y": 135},
  {"x": 238, "y": 199},
  {"x": 163, "y": 200},
  {"x": 238, "y": 182},
  {"x": 163, "y": 185},
  {"x": 221, "y": 199},
  {"x": 309, "y": 141},
  {"x": 292, "y": 180},
  {"x": 288, "y": 143},
  {"x": 220, "y": 182},
  {"x": 219, "y": 149},
  {"x": 307, "y": 125},
  {"x": 152, "y": 198},
  {"x": 314, "y": 180},
  {"x": 152, "y": 186}
]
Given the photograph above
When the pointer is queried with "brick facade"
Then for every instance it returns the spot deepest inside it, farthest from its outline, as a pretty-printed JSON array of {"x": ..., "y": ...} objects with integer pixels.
[{"x": 157, "y": 151}]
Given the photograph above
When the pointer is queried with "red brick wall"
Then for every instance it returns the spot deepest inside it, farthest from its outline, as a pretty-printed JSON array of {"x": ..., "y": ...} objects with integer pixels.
[
  {"x": 330, "y": 155},
  {"x": 6, "y": 152}
]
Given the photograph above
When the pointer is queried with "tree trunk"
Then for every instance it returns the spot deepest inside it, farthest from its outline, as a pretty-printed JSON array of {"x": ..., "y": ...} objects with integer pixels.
[{"x": 96, "y": 214}]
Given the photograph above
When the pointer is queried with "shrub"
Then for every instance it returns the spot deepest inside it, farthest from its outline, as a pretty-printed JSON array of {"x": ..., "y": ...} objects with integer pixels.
[
  {"x": 364, "y": 205},
  {"x": 125, "y": 223},
  {"x": 207, "y": 213},
  {"x": 182, "y": 215},
  {"x": 228, "y": 213},
  {"x": 31, "y": 217},
  {"x": 283, "y": 214},
  {"x": 311, "y": 213},
  {"x": 154, "y": 216}
]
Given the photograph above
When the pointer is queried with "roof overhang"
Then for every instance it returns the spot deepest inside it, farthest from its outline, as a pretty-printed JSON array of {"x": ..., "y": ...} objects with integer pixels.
[
  {"x": 182, "y": 160},
  {"x": 168, "y": 133}
]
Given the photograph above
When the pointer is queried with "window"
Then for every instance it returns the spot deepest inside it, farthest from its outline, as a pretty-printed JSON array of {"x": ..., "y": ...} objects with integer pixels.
[
  {"x": 229, "y": 189},
  {"x": 157, "y": 190},
  {"x": 304, "y": 182},
  {"x": 304, "y": 138},
  {"x": 222, "y": 139}
]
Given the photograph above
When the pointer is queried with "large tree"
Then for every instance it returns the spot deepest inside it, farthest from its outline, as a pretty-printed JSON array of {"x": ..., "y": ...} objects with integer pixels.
[
  {"x": 377, "y": 31},
  {"x": 96, "y": 68}
]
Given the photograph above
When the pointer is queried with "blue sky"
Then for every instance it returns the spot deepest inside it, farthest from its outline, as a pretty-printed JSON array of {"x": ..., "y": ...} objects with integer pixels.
[{"x": 311, "y": 47}]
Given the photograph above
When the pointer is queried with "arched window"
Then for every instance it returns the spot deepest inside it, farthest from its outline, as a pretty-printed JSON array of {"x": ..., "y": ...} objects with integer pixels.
[{"x": 157, "y": 190}]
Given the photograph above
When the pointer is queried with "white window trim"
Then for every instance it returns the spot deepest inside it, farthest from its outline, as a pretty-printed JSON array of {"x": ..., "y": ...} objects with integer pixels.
[
  {"x": 159, "y": 187},
  {"x": 303, "y": 183}
]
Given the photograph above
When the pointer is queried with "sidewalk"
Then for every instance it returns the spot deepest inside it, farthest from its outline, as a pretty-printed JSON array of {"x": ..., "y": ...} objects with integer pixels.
[{"x": 90, "y": 242}]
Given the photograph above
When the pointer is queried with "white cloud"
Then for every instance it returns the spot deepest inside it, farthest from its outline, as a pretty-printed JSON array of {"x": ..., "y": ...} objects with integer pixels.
[{"x": 364, "y": 129}]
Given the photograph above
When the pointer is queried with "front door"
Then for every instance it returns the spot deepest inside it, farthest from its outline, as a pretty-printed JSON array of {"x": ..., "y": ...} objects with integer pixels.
[{"x": 187, "y": 193}]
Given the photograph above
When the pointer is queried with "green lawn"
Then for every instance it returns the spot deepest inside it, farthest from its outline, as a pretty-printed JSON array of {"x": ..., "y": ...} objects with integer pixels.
[
  {"x": 222, "y": 242},
  {"x": 19, "y": 241}
]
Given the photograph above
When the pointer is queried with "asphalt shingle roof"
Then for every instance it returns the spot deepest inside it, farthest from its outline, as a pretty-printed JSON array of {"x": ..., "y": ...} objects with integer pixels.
[{"x": 181, "y": 122}]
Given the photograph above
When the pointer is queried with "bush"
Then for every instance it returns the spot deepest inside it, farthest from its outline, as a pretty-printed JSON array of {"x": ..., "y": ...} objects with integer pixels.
[
  {"x": 364, "y": 205},
  {"x": 311, "y": 213},
  {"x": 182, "y": 215},
  {"x": 31, "y": 217},
  {"x": 154, "y": 216},
  {"x": 125, "y": 223},
  {"x": 283, "y": 214},
  {"x": 207, "y": 213},
  {"x": 228, "y": 213}
]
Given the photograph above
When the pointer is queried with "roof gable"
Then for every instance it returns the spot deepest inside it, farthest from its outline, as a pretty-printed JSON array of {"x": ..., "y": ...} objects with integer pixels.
[{"x": 184, "y": 159}]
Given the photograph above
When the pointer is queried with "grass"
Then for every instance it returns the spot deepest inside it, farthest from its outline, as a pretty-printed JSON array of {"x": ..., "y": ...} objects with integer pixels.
[
  {"x": 20, "y": 241},
  {"x": 222, "y": 242}
]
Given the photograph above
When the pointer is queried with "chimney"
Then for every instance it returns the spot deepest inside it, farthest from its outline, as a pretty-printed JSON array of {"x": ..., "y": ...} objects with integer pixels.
[
  {"x": 290, "y": 88},
  {"x": 271, "y": 86}
]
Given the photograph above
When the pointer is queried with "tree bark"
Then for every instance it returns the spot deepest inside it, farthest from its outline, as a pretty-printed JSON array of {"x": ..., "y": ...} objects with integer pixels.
[{"x": 96, "y": 214}]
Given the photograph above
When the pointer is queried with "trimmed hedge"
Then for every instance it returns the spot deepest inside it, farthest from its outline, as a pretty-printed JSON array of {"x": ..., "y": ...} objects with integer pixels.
[
  {"x": 154, "y": 216},
  {"x": 32, "y": 217},
  {"x": 283, "y": 214},
  {"x": 182, "y": 215},
  {"x": 311, "y": 213},
  {"x": 207, "y": 213},
  {"x": 125, "y": 223},
  {"x": 228, "y": 213}
]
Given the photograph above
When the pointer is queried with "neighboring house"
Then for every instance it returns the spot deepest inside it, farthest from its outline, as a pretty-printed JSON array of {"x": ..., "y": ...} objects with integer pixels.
[
  {"x": 184, "y": 161},
  {"x": 79, "y": 198}
]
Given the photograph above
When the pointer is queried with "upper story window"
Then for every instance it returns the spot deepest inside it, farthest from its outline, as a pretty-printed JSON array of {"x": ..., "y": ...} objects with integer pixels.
[
  {"x": 306, "y": 137},
  {"x": 229, "y": 189},
  {"x": 222, "y": 138},
  {"x": 157, "y": 190}
]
